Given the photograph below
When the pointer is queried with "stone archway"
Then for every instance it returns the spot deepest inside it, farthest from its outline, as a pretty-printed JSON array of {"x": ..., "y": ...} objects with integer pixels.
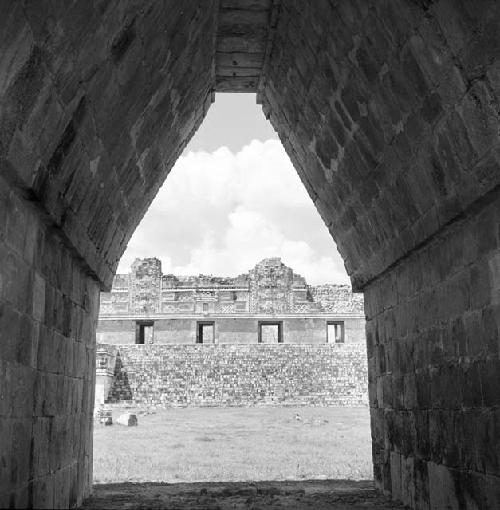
[{"x": 389, "y": 111}]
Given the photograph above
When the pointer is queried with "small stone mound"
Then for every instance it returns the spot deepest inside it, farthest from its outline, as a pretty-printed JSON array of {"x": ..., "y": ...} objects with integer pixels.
[{"x": 127, "y": 420}]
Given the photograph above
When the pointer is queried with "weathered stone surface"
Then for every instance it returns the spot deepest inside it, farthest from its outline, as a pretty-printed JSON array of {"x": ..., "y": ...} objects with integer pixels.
[
  {"x": 269, "y": 288},
  {"x": 293, "y": 495},
  {"x": 173, "y": 308},
  {"x": 386, "y": 133},
  {"x": 84, "y": 105},
  {"x": 232, "y": 330},
  {"x": 389, "y": 111},
  {"x": 434, "y": 340},
  {"x": 239, "y": 375},
  {"x": 387, "y": 126},
  {"x": 47, "y": 339},
  {"x": 127, "y": 419}
]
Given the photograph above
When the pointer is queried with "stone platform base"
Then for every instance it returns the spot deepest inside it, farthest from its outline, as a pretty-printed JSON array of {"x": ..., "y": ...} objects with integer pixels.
[
  {"x": 294, "y": 495},
  {"x": 228, "y": 375}
]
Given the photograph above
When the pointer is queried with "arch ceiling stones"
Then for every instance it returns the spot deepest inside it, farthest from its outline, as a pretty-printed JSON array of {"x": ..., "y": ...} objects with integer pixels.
[{"x": 390, "y": 114}]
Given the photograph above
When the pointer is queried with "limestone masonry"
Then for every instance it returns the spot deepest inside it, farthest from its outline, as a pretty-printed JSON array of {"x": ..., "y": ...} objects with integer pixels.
[
  {"x": 269, "y": 304},
  {"x": 389, "y": 111},
  {"x": 212, "y": 341},
  {"x": 232, "y": 375},
  {"x": 270, "y": 287}
]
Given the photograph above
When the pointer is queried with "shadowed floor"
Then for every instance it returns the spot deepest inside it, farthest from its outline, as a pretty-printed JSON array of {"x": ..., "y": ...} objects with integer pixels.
[{"x": 296, "y": 495}]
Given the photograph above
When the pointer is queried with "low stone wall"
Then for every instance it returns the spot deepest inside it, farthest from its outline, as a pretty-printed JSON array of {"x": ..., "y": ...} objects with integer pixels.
[{"x": 239, "y": 375}]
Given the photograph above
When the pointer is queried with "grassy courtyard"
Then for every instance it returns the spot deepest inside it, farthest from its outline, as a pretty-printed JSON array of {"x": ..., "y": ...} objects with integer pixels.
[{"x": 236, "y": 444}]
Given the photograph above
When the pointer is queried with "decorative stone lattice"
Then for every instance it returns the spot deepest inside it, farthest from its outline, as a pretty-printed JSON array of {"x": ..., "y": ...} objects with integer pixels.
[{"x": 269, "y": 288}]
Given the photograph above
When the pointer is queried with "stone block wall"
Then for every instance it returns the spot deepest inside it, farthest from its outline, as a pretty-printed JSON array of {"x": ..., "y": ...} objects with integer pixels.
[
  {"x": 230, "y": 330},
  {"x": 240, "y": 375},
  {"x": 434, "y": 364},
  {"x": 389, "y": 112},
  {"x": 97, "y": 100},
  {"x": 390, "y": 115},
  {"x": 48, "y": 306},
  {"x": 116, "y": 332},
  {"x": 95, "y": 113}
]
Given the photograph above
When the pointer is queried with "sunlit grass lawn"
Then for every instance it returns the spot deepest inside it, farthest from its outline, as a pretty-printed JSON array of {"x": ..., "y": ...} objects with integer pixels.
[{"x": 236, "y": 444}]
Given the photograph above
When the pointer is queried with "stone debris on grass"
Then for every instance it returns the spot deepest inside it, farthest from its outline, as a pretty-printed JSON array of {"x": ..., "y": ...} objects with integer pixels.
[
  {"x": 310, "y": 421},
  {"x": 127, "y": 419},
  {"x": 104, "y": 416}
]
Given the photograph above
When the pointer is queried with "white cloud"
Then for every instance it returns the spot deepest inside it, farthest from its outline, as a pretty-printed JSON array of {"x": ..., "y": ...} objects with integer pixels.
[{"x": 220, "y": 213}]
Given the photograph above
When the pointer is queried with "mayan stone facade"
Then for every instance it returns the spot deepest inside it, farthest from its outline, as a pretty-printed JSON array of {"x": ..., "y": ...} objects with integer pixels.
[
  {"x": 146, "y": 306},
  {"x": 322, "y": 360},
  {"x": 270, "y": 288}
]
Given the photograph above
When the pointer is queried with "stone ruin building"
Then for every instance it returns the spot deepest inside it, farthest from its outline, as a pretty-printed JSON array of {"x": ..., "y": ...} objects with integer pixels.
[
  {"x": 269, "y": 304},
  {"x": 314, "y": 352},
  {"x": 389, "y": 111}
]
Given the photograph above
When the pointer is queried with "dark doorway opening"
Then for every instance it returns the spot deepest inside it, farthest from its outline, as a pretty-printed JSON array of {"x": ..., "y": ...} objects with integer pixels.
[
  {"x": 144, "y": 332},
  {"x": 270, "y": 333},
  {"x": 205, "y": 333},
  {"x": 335, "y": 332}
]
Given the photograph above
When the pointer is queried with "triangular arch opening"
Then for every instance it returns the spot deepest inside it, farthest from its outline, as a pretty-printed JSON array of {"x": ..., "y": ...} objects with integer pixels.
[{"x": 233, "y": 257}]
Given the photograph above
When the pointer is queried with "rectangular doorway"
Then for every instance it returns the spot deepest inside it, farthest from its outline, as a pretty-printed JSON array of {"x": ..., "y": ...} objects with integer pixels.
[
  {"x": 335, "y": 332},
  {"x": 270, "y": 333},
  {"x": 144, "y": 333},
  {"x": 205, "y": 333}
]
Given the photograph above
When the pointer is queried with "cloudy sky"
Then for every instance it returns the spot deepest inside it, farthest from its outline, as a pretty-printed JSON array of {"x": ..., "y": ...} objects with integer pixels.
[{"x": 232, "y": 199}]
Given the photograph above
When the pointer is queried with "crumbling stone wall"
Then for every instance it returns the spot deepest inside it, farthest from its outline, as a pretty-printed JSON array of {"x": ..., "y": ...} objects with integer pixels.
[
  {"x": 337, "y": 298},
  {"x": 269, "y": 288},
  {"x": 246, "y": 375}
]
